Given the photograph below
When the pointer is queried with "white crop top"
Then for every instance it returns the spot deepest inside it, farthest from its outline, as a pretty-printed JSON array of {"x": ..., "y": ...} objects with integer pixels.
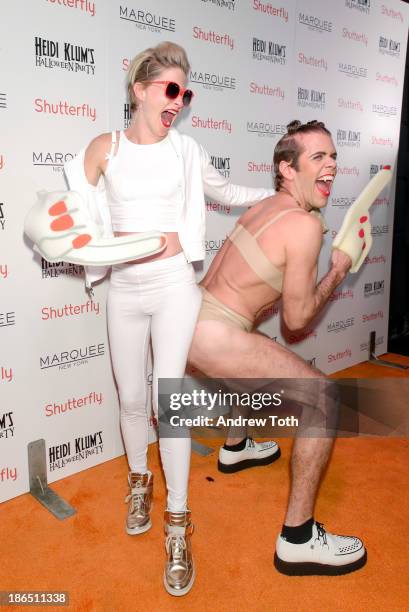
[{"x": 143, "y": 186}]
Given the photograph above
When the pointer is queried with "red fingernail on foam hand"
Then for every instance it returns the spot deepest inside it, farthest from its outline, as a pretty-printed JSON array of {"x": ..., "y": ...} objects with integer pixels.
[
  {"x": 57, "y": 209},
  {"x": 361, "y": 233},
  {"x": 63, "y": 223},
  {"x": 386, "y": 167},
  {"x": 364, "y": 245},
  {"x": 363, "y": 219},
  {"x": 81, "y": 241}
]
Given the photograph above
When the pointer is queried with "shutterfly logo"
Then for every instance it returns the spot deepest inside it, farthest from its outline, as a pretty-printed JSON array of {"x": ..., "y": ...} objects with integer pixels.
[
  {"x": 62, "y": 107},
  {"x": 6, "y": 374},
  {"x": 261, "y": 167},
  {"x": 268, "y": 9},
  {"x": 376, "y": 259},
  {"x": 341, "y": 295},
  {"x": 372, "y": 316},
  {"x": 216, "y": 207},
  {"x": 358, "y": 37},
  {"x": 266, "y": 90},
  {"x": 4, "y": 271},
  {"x": 386, "y": 78},
  {"x": 382, "y": 142},
  {"x": 389, "y": 12},
  {"x": 346, "y": 354},
  {"x": 213, "y": 37},
  {"x": 69, "y": 310},
  {"x": 83, "y": 5},
  {"x": 295, "y": 338},
  {"x": 1, "y": 162},
  {"x": 315, "y": 62},
  {"x": 211, "y": 124},
  {"x": 350, "y": 104},
  {"x": 73, "y": 403}
]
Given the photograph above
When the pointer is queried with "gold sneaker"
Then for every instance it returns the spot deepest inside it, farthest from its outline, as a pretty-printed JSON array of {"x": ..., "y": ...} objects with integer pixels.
[
  {"x": 179, "y": 572},
  {"x": 140, "y": 502}
]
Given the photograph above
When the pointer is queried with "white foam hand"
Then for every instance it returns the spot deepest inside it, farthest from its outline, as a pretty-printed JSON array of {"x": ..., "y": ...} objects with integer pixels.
[
  {"x": 354, "y": 238},
  {"x": 60, "y": 227}
]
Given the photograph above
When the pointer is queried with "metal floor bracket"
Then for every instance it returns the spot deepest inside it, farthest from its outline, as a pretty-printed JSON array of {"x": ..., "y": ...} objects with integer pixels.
[
  {"x": 39, "y": 488},
  {"x": 372, "y": 358}
]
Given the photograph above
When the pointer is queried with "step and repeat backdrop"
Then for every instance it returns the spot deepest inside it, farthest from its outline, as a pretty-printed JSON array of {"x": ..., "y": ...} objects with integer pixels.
[{"x": 256, "y": 65}]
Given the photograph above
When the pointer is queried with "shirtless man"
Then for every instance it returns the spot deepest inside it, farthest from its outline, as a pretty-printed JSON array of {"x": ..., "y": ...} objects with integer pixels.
[{"x": 273, "y": 252}]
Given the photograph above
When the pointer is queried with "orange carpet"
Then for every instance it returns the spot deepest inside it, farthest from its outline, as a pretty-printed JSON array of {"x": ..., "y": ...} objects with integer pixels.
[{"x": 237, "y": 518}]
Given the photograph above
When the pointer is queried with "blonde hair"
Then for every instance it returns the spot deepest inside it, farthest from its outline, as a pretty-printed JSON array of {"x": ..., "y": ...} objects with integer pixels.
[{"x": 147, "y": 65}]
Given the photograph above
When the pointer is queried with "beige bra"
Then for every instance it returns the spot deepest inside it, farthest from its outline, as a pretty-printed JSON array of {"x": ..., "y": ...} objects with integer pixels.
[{"x": 253, "y": 254}]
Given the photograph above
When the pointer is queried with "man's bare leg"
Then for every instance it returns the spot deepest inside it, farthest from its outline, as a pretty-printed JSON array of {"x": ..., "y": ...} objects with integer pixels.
[
  {"x": 308, "y": 460},
  {"x": 221, "y": 351}
]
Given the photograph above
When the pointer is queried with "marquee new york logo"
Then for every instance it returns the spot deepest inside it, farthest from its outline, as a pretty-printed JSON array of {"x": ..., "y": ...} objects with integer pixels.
[
  {"x": 314, "y": 23},
  {"x": 147, "y": 20},
  {"x": 356, "y": 72},
  {"x": 72, "y": 357},
  {"x": 266, "y": 129},
  {"x": 213, "y": 246},
  {"x": 269, "y": 51},
  {"x": 382, "y": 110},
  {"x": 7, "y": 319},
  {"x": 342, "y": 203},
  {"x": 3, "y": 100},
  {"x": 51, "y": 159},
  {"x": 212, "y": 80},
  {"x": 64, "y": 55}
]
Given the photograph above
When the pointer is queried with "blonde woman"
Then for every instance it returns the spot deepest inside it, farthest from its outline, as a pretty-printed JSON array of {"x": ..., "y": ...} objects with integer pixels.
[{"x": 155, "y": 179}]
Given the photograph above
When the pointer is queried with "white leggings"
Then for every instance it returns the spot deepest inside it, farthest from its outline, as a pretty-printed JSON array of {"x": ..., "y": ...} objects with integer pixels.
[{"x": 158, "y": 300}]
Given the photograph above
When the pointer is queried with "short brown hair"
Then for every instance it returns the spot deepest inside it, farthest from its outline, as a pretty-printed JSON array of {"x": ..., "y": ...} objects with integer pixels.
[
  {"x": 147, "y": 65},
  {"x": 289, "y": 148}
]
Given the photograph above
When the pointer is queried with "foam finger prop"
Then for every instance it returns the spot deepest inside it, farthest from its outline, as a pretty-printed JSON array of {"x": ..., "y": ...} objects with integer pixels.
[
  {"x": 61, "y": 230},
  {"x": 354, "y": 238}
]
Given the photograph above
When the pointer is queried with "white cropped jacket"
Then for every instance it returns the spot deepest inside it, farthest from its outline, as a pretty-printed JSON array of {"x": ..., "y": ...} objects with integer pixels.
[{"x": 197, "y": 176}]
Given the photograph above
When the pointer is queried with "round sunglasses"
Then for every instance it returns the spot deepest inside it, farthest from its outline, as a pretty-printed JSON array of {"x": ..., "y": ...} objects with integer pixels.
[{"x": 173, "y": 90}]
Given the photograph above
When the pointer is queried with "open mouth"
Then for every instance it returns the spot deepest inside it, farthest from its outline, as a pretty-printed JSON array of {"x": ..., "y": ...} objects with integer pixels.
[
  {"x": 167, "y": 118},
  {"x": 324, "y": 184}
]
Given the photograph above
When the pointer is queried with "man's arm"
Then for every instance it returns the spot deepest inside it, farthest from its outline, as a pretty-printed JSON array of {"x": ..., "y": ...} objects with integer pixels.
[{"x": 303, "y": 298}]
